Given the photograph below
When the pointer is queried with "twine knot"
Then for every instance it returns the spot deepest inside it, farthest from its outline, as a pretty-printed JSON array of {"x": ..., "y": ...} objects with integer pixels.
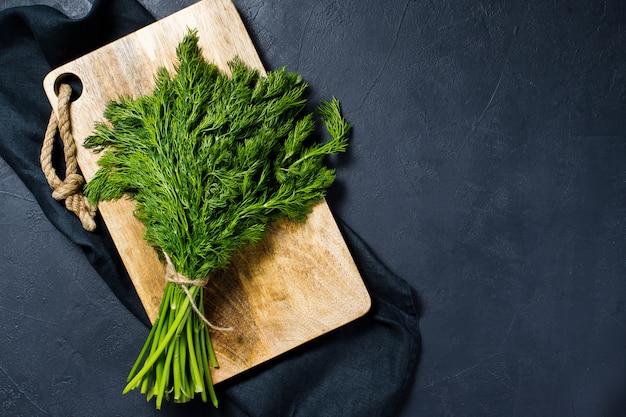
[
  {"x": 70, "y": 188},
  {"x": 72, "y": 184},
  {"x": 173, "y": 276}
]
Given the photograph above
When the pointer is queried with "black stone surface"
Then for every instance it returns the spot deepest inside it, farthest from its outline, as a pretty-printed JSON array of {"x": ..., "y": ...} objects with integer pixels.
[{"x": 486, "y": 168}]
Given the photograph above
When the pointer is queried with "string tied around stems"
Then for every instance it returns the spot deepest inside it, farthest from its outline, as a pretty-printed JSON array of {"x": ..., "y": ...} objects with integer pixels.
[{"x": 173, "y": 276}]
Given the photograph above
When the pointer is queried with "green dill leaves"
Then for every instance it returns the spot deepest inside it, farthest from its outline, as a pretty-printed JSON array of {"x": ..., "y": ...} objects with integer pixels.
[{"x": 211, "y": 160}]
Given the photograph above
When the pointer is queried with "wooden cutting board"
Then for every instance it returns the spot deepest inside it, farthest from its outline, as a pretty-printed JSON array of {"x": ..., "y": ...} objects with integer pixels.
[{"x": 299, "y": 283}]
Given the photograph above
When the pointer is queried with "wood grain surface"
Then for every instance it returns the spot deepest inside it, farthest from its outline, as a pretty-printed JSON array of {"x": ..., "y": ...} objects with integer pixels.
[{"x": 299, "y": 283}]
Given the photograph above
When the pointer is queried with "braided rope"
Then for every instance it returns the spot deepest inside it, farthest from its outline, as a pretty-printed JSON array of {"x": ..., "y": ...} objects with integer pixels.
[{"x": 70, "y": 188}]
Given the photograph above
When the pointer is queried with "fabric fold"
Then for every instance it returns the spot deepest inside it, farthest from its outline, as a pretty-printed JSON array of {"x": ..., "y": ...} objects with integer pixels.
[{"x": 361, "y": 369}]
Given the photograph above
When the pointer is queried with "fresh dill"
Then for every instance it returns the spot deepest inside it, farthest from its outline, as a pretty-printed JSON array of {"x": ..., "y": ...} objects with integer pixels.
[{"x": 211, "y": 160}]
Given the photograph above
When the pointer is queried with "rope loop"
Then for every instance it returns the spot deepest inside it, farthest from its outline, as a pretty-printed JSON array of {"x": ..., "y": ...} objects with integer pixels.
[{"x": 70, "y": 188}]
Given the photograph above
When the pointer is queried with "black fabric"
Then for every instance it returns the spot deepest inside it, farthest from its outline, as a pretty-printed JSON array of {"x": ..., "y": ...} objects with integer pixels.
[
  {"x": 33, "y": 41},
  {"x": 362, "y": 369}
]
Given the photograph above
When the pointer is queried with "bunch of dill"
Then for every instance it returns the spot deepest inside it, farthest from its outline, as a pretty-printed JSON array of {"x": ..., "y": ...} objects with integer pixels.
[{"x": 211, "y": 160}]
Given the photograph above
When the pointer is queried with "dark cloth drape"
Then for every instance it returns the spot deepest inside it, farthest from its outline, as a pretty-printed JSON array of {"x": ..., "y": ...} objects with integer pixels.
[{"x": 362, "y": 369}]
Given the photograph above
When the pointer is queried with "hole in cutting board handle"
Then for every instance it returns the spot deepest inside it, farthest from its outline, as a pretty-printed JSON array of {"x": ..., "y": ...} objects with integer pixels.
[{"x": 73, "y": 81}]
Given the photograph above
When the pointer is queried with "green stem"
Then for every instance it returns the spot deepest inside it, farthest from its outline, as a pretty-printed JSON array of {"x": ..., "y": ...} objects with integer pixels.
[
  {"x": 200, "y": 348},
  {"x": 155, "y": 329},
  {"x": 165, "y": 374},
  {"x": 177, "y": 375},
  {"x": 177, "y": 353},
  {"x": 205, "y": 346},
  {"x": 193, "y": 363},
  {"x": 181, "y": 313}
]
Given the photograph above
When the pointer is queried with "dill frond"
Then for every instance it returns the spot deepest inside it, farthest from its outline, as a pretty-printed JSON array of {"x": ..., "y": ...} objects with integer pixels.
[{"x": 211, "y": 160}]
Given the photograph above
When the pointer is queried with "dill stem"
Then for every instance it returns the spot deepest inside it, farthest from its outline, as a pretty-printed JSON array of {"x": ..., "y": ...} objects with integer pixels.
[
  {"x": 203, "y": 342},
  {"x": 164, "y": 378},
  {"x": 177, "y": 374},
  {"x": 181, "y": 314},
  {"x": 155, "y": 329},
  {"x": 193, "y": 363}
]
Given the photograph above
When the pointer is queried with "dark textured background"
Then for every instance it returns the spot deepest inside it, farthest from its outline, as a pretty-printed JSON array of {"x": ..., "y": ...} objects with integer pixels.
[{"x": 486, "y": 168}]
